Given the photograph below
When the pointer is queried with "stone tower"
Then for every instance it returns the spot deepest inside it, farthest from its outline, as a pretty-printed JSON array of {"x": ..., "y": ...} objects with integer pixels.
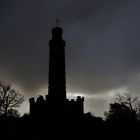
[
  {"x": 57, "y": 77},
  {"x": 56, "y": 103}
]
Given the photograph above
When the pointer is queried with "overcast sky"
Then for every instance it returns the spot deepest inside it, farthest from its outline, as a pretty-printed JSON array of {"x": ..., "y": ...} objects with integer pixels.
[{"x": 102, "y": 47}]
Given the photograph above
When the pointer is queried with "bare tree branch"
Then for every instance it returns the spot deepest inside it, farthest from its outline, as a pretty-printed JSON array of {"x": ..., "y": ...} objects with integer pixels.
[{"x": 9, "y": 99}]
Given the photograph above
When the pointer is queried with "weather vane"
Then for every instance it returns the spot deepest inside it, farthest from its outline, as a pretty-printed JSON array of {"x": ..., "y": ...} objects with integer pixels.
[{"x": 57, "y": 21}]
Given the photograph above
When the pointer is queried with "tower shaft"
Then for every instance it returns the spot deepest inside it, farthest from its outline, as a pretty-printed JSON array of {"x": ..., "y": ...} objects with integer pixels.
[{"x": 57, "y": 78}]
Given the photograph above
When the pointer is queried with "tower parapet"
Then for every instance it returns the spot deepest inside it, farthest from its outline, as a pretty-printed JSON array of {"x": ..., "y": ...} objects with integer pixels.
[
  {"x": 32, "y": 105},
  {"x": 80, "y": 99},
  {"x": 80, "y": 104},
  {"x": 32, "y": 100}
]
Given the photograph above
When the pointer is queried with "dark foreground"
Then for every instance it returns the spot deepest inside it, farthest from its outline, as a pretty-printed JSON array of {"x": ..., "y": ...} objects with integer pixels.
[{"x": 87, "y": 127}]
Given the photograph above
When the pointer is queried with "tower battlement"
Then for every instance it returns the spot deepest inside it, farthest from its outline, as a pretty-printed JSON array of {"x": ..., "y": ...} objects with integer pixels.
[
  {"x": 32, "y": 100},
  {"x": 80, "y": 99}
]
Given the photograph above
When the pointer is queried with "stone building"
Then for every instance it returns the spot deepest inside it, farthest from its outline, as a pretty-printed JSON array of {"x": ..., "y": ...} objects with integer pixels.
[{"x": 56, "y": 102}]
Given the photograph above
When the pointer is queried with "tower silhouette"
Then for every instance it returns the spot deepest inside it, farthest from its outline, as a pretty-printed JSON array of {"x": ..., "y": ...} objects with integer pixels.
[
  {"x": 57, "y": 78},
  {"x": 56, "y": 101}
]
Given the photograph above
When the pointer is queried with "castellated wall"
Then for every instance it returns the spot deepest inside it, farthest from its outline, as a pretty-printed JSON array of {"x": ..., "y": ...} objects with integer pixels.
[{"x": 45, "y": 107}]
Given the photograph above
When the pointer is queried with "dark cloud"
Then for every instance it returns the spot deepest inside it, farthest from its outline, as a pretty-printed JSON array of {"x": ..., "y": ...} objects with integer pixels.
[
  {"x": 109, "y": 51},
  {"x": 102, "y": 51}
]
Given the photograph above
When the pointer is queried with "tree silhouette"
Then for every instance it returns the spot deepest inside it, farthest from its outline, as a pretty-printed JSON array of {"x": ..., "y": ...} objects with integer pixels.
[
  {"x": 9, "y": 100},
  {"x": 117, "y": 112},
  {"x": 125, "y": 107}
]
